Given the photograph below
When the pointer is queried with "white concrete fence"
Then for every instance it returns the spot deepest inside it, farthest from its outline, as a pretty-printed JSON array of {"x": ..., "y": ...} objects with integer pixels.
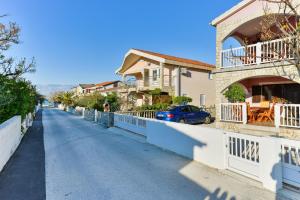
[
  {"x": 104, "y": 118},
  {"x": 146, "y": 113},
  {"x": 259, "y": 158},
  {"x": 11, "y": 134}
]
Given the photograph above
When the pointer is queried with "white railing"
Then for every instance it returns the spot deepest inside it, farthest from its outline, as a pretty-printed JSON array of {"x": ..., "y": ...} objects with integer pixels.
[
  {"x": 131, "y": 123},
  {"x": 262, "y": 52},
  {"x": 234, "y": 112},
  {"x": 287, "y": 115},
  {"x": 146, "y": 114}
]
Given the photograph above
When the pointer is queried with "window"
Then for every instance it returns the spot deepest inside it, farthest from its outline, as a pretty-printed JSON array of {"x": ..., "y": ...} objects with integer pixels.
[
  {"x": 210, "y": 76},
  {"x": 185, "y": 109},
  {"x": 202, "y": 99},
  {"x": 194, "y": 109},
  {"x": 155, "y": 74},
  {"x": 266, "y": 92}
]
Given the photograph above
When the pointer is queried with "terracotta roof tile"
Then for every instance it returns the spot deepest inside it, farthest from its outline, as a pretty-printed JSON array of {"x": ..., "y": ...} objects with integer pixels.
[
  {"x": 106, "y": 83},
  {"x": 199, "y": 64}
]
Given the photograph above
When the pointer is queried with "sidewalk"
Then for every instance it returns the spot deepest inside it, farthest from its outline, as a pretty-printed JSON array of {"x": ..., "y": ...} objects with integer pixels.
[{"x": 24, "y": 175}]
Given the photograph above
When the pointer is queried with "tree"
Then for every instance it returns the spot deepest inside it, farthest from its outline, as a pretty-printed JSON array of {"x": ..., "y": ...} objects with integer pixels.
[
  {"x": 57, "y": 97},
  {"x": 235, "y": 93},
  {"x": 284, "y": 24},
  {"x": 181, "y": 100},
  {"x": 114, "y": 101},
  {"x": 9, "y": 35},
  {"x": 24, "y": 96}
]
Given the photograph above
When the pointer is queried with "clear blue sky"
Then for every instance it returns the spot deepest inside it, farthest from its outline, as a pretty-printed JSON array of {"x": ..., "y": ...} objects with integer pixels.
[{"x": 84, "y": 41}]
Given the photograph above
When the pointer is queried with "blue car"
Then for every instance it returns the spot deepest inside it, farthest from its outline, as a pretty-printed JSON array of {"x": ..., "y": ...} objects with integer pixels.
[{"x": 187, "y": 114}]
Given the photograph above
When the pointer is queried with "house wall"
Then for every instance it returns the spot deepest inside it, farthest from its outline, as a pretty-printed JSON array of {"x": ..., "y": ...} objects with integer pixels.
[
  {"x": 197, "y": 82},
  {"x": 78, "y": 90}
]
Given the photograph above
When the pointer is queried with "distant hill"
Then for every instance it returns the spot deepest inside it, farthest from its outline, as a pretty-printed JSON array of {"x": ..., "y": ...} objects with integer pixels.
[{"x": 51, "y": 88}]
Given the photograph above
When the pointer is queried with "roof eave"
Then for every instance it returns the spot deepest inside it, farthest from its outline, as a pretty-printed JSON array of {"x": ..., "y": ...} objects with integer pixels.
[{"x": 231, "y": 11}]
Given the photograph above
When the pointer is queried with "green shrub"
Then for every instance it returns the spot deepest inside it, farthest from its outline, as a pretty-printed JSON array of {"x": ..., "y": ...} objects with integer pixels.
[
  {"x": 155, "y": 107},
  {"x": 23, "y": 98},
  {"x": 181, "y": 100},
  {"x": 96, "y": 101},
  {"x": 235, "y": 93}
]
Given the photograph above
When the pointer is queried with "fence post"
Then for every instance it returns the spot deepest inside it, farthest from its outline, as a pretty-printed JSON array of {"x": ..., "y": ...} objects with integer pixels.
[
  {"x": 277, "y": 115},
  {"x": 96, "y": 115},
  {"x": 244, "y": 113},
  {"x": 83, "y": 110}
]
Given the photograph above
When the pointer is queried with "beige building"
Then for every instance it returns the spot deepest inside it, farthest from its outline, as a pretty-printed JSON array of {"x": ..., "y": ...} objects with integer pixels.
[
  {"x": 105, "y": 88},
  {"x": 82, "y": 89},
  {"x": 143, "y": 71},
  {"x": 270, "y": 82}
]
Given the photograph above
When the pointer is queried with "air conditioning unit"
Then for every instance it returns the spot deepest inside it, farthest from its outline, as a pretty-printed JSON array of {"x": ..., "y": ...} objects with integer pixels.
[{"x": 184, "y": 70}]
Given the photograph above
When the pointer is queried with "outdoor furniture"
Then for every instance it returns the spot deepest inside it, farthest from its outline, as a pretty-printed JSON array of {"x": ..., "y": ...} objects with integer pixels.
[
  {"x": 265, "y": 104},
  {"x": 266, "y": 115},
  {"x": 252, "y": 114}
]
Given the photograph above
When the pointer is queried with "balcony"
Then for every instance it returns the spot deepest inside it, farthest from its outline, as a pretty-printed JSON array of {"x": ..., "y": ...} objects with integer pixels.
[
  {"x": 150, "y": 83},
  {"x": 259, "y": 53}
]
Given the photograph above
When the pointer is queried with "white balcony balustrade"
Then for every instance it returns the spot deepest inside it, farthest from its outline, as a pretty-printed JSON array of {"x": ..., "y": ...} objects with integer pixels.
[
  {"x": 234, "y": 112},
  {"x": 287, "y": 115},
  {"x": 259, "y": 53}
]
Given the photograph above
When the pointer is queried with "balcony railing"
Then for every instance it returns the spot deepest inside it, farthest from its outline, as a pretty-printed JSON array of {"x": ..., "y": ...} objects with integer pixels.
[
  {"x": 259, "y": 53},
  {"x": 150, "y": 82}
]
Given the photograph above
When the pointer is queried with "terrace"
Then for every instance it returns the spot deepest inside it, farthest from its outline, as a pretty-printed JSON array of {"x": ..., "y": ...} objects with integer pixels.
[{"x": 270, "y": 101}]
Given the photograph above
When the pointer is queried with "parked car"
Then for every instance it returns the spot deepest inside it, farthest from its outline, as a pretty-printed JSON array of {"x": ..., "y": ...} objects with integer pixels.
[{"x": 187, "y": 114}]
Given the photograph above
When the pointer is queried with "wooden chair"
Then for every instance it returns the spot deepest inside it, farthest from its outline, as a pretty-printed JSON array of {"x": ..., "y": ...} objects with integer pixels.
[
  {"x": 267, "y": 115},
  {"x": 251, "y": 115},
  {"x": 265, "y": 104}
]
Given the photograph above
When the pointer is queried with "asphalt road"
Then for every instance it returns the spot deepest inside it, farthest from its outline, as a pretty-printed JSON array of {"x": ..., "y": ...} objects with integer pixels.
[{"x": 84, "y": 161}]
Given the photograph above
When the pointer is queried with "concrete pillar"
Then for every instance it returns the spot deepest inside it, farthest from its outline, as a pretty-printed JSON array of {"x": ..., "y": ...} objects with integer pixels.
[
  {"x": 83, "y": 110},
  {"x": 162, "y": 75},
  {"x": 177, "y": 82},
  {"x": 96, "y": 115}
]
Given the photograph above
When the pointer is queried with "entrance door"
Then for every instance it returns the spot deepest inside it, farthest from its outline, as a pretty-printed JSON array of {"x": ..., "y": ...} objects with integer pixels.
[{"x": 291, "y": 162}]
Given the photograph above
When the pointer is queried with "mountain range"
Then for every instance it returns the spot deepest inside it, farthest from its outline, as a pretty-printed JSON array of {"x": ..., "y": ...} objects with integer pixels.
[{"x": 49, "y": 89}]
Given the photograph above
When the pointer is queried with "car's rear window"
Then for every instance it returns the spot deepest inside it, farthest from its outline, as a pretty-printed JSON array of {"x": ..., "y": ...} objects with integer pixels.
[{"x": 171, "y": 108}]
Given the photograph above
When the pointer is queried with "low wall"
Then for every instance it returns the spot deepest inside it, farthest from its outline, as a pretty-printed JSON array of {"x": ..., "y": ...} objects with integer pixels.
[
  {"x": 10, "y": 137},
  {"x": 205, "y": 145},
  {"x": 259, "y": 158},
  {"x": 89, "y": 114},
  {"x": 104, "y": 118},
  {"x": 131, "y": 123}
]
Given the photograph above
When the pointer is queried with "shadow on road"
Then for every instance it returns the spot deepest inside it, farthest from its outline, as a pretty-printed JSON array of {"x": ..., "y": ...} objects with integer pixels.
[{"x": 24, "y": 175}]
